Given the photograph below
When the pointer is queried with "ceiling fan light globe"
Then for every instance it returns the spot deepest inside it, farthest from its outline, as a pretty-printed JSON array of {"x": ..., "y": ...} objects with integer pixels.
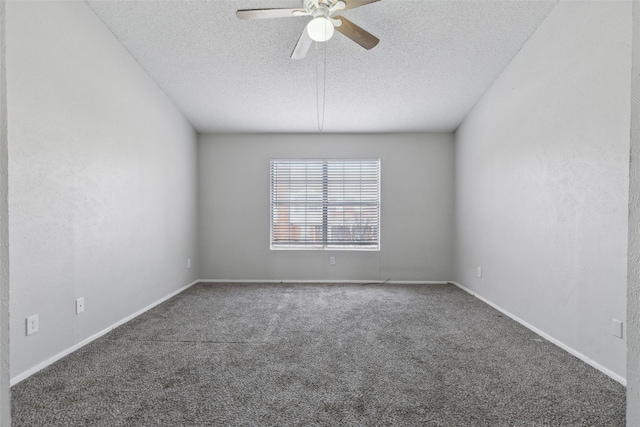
[{"x": 320, "y": 29}]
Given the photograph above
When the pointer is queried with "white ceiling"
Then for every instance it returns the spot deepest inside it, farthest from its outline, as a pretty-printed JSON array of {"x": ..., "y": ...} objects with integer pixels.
[{"x": 434, "y": 61}]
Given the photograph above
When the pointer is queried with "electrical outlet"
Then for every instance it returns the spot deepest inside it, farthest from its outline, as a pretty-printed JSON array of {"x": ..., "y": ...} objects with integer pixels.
[
  {"x": 189, "y": 263},
  {"x": 616, "y": 328},
  {"x": 32, "y": 324},
  {"x": 79, "y": 305},
  {"x": 332, "y": 260},
  {"x": 479, "y": 271}
]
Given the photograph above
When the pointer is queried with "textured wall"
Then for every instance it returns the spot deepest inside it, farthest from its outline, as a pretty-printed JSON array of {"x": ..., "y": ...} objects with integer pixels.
[
  {"x": 542, "y": 182},
  {"x": 102, "y": 191},
  {"x": 633, "y": 290},
  {"x": 5, "y": 417},
  {"x": 416, "y": 207}
]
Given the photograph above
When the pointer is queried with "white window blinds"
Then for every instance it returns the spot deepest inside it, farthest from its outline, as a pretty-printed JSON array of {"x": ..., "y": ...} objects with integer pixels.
[{"x": 325, "y": 203}]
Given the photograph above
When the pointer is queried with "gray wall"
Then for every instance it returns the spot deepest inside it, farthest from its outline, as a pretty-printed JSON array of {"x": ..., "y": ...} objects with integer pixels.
[
  {"x": 633, "y": 291},
  {"x": 5, "y": 397},
  {"x": 416, "y": 208},
  {"x": 542, "y": 182},
  {"x": 102, "y": 181}
]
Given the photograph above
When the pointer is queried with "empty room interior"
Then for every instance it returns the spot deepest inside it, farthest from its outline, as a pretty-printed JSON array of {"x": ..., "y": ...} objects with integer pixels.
[{"x": 423, "y": 213}]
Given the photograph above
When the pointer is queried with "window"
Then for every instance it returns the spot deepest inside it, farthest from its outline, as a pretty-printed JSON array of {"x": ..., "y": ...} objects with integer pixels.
[{"x": 325, "y": 204}]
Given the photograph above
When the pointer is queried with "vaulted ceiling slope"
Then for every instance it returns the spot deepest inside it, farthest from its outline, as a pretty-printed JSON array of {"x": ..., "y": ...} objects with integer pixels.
[{"x": 434, "y": 61}]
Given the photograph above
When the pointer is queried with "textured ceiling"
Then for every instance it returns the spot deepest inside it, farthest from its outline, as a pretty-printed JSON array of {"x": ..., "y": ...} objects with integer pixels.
[{"x": 434, "y": 61}]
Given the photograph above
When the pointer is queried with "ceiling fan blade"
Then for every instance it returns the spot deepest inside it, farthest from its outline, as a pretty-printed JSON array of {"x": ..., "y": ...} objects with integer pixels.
[
  {"x": 269, "y": 13},
  {"x": 357, "y": 34},
  {"x": 303, "y": 45},
  {"x": 352, "y": 4}
]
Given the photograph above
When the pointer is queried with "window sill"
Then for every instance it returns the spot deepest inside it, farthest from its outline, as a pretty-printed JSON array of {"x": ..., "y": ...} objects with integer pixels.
[{"x": 319, "y": 248}]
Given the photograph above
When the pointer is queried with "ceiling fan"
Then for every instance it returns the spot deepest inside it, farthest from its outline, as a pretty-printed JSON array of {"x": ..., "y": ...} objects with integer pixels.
[{"x": 321, "y": 27}]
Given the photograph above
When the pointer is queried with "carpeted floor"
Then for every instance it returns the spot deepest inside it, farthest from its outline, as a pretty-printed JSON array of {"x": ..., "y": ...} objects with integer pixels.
[{"x": 325, "y": 355}]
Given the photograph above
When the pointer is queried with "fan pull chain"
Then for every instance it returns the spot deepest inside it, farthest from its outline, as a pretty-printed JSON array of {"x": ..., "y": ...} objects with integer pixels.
[{"x": 324, "y": 85}]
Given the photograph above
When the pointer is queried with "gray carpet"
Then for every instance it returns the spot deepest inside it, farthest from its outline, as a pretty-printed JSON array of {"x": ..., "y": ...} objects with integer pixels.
[{"x": 325, "y": 355}]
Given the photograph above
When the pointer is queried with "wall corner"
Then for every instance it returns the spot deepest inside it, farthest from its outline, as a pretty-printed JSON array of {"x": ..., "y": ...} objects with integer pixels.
[
  {"x": 633, "y": 255},
  {"x": 5, "y": 390}
]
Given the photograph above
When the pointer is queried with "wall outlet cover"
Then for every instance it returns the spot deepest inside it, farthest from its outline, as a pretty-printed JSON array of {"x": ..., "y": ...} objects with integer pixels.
[
  {"x": 616, "y": 328},
  {"x": 33, "y": 324}
]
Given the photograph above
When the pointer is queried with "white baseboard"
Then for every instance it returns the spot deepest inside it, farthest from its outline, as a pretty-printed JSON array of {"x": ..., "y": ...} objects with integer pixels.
[
  {"x": 547, "y": 337},
  {"x": 356, "y": 282},
  {"x": 15, "y": 380},
  {"x": 587, "y": 360}
]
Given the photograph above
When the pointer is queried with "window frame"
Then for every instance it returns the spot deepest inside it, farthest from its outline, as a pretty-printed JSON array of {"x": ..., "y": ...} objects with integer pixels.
[{"x": 324, "y": 245}]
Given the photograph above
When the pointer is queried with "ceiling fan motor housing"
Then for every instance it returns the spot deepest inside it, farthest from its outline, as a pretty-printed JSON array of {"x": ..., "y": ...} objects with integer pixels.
[{"x": 318, "y": 8}]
